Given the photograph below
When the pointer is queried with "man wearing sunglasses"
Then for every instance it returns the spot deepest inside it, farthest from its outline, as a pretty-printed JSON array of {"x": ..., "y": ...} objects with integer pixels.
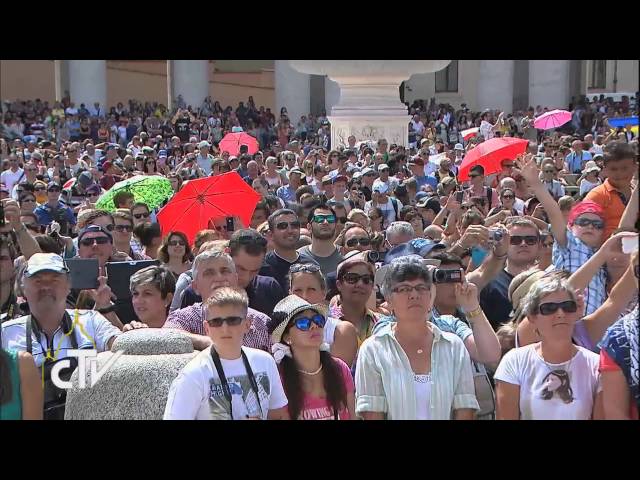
[
  {"x": 55, "y": 210},
  {"x": 322, "y": 251},
  {"x": 522, "y": 254}
]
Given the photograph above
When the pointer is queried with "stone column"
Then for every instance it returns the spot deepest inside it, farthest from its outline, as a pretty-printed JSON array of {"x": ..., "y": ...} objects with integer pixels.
[
  {"x": 292, "y": 91},
  {"x": 331, "y": 94},
  {"x": 189, "y": 78},
  {"x": 88, "y": 82},
  {"x": 61, "y": 72},
  {"x": 495, "y": 85},
  {"x": 549, "y": 83}
]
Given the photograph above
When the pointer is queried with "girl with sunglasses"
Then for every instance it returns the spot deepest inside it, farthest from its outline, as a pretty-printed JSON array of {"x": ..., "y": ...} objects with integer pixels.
[
  {"x": 175, "y": 253},
  {"x": 553, "y": 379},
  {"x": 507, "y": 202},
  {"x": 318, "y": 386}
]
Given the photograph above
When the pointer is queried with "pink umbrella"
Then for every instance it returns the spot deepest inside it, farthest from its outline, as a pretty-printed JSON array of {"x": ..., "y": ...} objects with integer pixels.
[{"x": 552, "y": 119}]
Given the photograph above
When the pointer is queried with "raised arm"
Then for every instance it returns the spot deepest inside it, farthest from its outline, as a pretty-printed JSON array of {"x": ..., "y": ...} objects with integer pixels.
[
  {"x": 630, "y": 215},
  {"x": 26, "y": 241},
  {"x": 531, "y": 174}
]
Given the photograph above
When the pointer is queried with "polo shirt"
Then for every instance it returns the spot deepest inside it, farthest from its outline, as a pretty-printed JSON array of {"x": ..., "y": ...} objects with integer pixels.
[
  {"x": 264, "y": 294},
  {"x": 610, "y": 199}
]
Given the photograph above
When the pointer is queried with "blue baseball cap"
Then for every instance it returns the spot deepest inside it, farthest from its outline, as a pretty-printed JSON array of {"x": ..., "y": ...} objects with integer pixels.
[{"x": 417, "y": 246}]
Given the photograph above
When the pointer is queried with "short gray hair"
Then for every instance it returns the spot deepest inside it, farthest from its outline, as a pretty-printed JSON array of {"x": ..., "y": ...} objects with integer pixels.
[
  {"x": 400, "y": 228},
  {"x": 410, "y": 267},
  {"x": 547, "y": 285},
  {"x": 271, "y": 160},
  {"x": 212, "y": 255}
]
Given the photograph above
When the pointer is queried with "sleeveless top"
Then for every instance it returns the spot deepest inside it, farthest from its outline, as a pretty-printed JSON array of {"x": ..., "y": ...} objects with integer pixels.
[{"x": 13, "y": 409}]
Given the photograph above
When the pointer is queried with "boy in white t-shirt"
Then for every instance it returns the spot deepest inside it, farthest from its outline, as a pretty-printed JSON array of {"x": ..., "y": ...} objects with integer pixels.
[{"x": 227, "y": 381}]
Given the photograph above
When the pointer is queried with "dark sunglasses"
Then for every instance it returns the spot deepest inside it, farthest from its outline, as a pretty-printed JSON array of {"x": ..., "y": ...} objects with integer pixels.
[
  {"x": 138, "y": 216},
  {"x": 176, "y": 243},
  {"x": 550, "y": 308},
  {"x": 304, "y": 267},
  {"x": 353, "y": 278},
  {"x": 585, "y": 222},
  {"x": 285, "y": 225},
  {"x": 88, "y": 242},
  {"x": 364, "y": 241},
  {"x": 304, "y": 323},
  {"x": 123, "y": 228},
  {"x": 509, "y": 196},
  {"x": 231, "y": 321},
  {"x": 323, "y": 218},
  {"x": 528, "y": 239}
]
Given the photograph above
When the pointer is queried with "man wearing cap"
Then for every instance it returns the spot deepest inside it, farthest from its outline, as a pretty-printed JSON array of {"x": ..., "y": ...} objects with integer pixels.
[
  {"x": 368, "y": 177},
  {"x": 383, "y": 172},
  {"x": 389, "y": 206},
  {"x": 428, "y": 208},
  {"x": 288, "y": 192},
  {"x": 54, "y": 329},
  {"x": 55, "y": 210},
  {"x": 416, "y": 166},
  {"x": 204, "y": 158}
]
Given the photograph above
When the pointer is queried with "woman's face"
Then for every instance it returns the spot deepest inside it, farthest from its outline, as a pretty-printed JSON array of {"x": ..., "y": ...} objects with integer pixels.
[
  {"x": 311, "y": 338},
  {"x": 413, "y": 304},
  {"x": 148, "y": 303},
  {"x": 176, "y": 247},
  {"x": 307, "y": 286},
  {"x": 507, "y": 199},
  {"x": 556, "y": 325}
]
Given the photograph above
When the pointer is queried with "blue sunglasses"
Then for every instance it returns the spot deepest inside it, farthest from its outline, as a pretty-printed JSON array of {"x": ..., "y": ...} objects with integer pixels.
[{"x": 304, "y": 323}]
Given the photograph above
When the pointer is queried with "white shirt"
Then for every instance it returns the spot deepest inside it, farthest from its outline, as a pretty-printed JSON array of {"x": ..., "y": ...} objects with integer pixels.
[
  {"x": 93, "y": 331},
  {"x": 518, "y": 204},
  {"x": 196, "y": 394},
  {"x": 525, "y": 367},
  {"x": 486, "y": 130},
  {"x": 10, "y": 178},
  {"x": 387, "y": 209},
  {"x": 587, "y": 186}
]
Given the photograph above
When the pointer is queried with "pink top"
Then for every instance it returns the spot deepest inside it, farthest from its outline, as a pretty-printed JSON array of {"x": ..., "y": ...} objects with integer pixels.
[{"x": 315, "y": 408}]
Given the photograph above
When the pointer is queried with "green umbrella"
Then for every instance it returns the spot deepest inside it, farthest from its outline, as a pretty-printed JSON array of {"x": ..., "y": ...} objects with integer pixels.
[{"x": 152, "y": 190}]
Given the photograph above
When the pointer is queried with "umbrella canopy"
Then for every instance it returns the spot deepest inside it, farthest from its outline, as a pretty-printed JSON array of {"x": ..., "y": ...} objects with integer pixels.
[
  {"x": 552, "y": 119},
  {"x": 489, "y": 154},
  {"x": 232, "y": 142},
  {"x": 151, "y": 189},
  {"x": 204, "y": 199},
  {"x": 469, "y": 133}
]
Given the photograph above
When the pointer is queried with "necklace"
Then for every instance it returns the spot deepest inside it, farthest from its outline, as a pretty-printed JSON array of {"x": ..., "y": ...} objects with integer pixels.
[{"x": 311, "y": 373}]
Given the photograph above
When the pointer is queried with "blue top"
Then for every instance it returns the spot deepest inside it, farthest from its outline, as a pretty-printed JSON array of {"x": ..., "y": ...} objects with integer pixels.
[
  {"x": 427, "y": 180},
  {"x": 46, "y": 214}
]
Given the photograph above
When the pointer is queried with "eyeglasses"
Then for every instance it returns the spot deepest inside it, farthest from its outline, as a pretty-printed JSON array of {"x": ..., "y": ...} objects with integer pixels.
[
  {"x": 353, "y": 278},
  {"x": 323, "y": 218},
  {"x": 88, "y": 242},
  {"x": 284, "y": 225},
  {"x": 420, "y": 289},
  {"x": 123, "y": 228},
  {"x": 218, "y": 321},
  {"x": 304, "y": 267},
  {"x": 138, "y": 216},
  {"x": 528, "y": 239},
  {"x": 550, "y": 308},
  {"x": 364, "y": 241},
  {"x": 585, "y": 222},
  {"x": 176, "y": 243},
  {"x": 304, "y": 323}
]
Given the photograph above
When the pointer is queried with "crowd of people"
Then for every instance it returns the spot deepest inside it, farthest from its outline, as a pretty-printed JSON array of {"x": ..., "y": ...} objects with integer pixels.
[{"x": 371, "y": 283}]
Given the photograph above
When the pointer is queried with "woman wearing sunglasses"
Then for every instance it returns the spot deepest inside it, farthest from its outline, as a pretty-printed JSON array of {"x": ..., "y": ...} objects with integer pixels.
[
  {"x": 318, "y": 386},
  {"x": 507, "y": 202},
  {"x": 353, "y": 237},
  {"x": 227, "y": 381},
  {"x": 553, "y": 379},
  {"x": 175, "y": 253}
]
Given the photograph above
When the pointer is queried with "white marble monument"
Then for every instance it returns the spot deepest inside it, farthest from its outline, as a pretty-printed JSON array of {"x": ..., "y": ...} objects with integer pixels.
[{"x": 369, "y": 107}]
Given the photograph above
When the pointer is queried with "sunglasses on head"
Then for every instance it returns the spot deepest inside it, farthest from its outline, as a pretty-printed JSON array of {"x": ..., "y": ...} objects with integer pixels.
[
  {"x": 138, "y": 216},
  {"x": 528, "y": 239},
  {"x": 176, "y": 243},
  {"x": 550, "y": 308},
  {"x": 88, "y": 242},
  {"x": 218, "y": 321},
  {"x": 304, "y": 267},
  {"x": 123, "y": 228},
  {"x": 353, "y": 278},
  {"x": 284, "y": 225},
  {"x": 364, "y": 241},
  {"x": 323, "y": 218},
  {"x": 304, "y": 323},
  {"x": 585, "y": 222}
]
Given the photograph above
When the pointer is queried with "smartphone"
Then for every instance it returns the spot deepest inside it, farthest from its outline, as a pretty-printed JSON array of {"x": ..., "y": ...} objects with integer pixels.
[
  {"x": 629, "y": 244},
  {"x": 459, "y": 196},
  {"x": 84, "y": 273},
  {"x": 230, "y": 224}
]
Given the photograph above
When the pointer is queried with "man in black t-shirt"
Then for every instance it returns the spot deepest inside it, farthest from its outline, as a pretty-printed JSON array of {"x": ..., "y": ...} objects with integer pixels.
[{"x": 182, "y": 122}]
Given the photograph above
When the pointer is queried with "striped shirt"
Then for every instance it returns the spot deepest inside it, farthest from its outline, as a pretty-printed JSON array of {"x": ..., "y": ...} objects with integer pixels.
[
  {"x": 190, "y": 320},
  {"x": 570, "y": 258},
  {"x": 385, "y": 380}
]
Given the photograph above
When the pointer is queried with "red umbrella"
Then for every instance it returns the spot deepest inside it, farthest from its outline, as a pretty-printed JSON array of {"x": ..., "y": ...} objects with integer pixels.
[
  {"x": 489, "y": 154},
  {"x": 232, "y": 142},
  {"x": 205, "y": 199}
]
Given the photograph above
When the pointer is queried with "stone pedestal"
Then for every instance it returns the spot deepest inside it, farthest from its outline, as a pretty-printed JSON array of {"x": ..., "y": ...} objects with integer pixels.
[{"x": 369, "y": 105}]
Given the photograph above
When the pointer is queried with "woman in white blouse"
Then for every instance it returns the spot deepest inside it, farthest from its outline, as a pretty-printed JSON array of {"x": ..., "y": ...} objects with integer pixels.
[
  {"x": 410, "y": 369},
  {"x": 552, "y": 379}
]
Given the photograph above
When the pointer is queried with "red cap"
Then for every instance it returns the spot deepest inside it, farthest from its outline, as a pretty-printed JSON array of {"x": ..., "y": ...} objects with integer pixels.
[{"x": 586, "y": 206}]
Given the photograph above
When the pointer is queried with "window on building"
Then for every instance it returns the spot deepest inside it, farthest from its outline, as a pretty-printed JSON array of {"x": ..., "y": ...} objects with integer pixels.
[
  {"x": 598, "y": 74},
  {"x": 447, "y": 79}
]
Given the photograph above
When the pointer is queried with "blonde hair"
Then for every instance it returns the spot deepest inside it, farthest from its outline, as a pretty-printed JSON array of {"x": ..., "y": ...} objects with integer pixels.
[
  {"x": 83, "y": 217},
  {"x": 228, "y": 297}
]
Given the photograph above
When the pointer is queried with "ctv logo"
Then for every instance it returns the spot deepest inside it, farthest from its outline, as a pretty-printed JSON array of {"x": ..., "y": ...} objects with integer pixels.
[{"x": 84, "y": 357}]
